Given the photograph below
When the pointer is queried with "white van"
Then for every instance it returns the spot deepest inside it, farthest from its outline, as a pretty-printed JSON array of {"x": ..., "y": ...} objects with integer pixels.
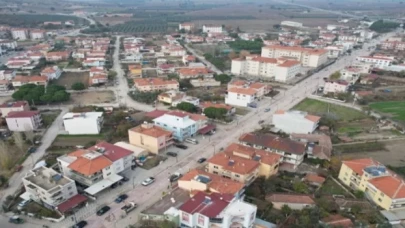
[{"x": 192, "y": 141}]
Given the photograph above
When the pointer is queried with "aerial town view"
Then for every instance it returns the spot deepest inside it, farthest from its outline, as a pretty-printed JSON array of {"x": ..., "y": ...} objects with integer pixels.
[{"x": 202, "y": 114}]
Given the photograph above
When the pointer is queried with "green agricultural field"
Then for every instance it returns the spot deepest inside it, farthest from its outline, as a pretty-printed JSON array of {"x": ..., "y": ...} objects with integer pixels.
[
  {"x": 393, "y": 109},
  {"x": 152, "y": 26},
  {"x": 321, "y": 108}
]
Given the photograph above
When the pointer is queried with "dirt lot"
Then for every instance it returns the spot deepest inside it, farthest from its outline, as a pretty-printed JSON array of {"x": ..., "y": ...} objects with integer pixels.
[
  {"x": 393, "y": 155},
  {"x": 92, "y": 97},
  {"x": 5, "y": 99},
  {"x": 72, "y": 141},
  {"x": 67, "y": 79}
]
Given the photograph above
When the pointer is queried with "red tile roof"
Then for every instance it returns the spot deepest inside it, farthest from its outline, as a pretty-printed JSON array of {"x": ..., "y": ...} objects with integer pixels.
[
  {"x": 209, "y": 104},
  {"x": 71, "y": 203},
  {"x": 87, "y": 166},
  {"x": 391, "y": 186},
  {"x": 111, "y": 151},
  {"x": 22, "y": 114},
  {"x": 313, "y": 178},
  {"x": 153, "y": 131},
  {"x": 156, "y": 113},
  {"x": 13, "y": 104},
  {"x": 234, "y": 163},
  {"x": 246, "y": 91},
  {"x": 263, "y": 156},
  {"x": 274, "y": 142},
  {"x": 337, "y": 220},
  {"x": 209, "y": 205},
  {"x": 358, "y": 165}
]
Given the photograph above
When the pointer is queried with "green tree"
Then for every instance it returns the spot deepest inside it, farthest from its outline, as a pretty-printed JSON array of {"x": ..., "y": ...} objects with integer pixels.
[
  {"x": 382, "y": 26},
  {"x": 286, "y": 210},
  {"x": 185, "y": 83},
  {"x": 335, "y": 75},
  {"x": 223, "y": 78},
  {"x": 300, "y": 187},
  {"x": 78, "y": 86},
  {"x": 112, "y": 75},
  {"x": 215, "y": 113},
  {"x": 173, "y": 76},
  {"x": 188, "y": 107}
]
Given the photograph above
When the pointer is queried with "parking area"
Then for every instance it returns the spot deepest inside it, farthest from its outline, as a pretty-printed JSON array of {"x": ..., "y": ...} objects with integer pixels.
[{"x": 178, "y": 196}]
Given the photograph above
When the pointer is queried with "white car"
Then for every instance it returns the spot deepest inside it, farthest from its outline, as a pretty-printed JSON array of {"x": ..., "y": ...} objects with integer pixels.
[{"x": 148, "y": 181}]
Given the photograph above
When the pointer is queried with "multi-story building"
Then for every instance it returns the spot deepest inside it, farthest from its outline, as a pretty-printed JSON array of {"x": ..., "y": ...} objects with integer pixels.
[
  {"x": 334, "y": 51},
  {"x": 5, "y": 85},
  {"x": 242, "y": 93},
  {"x": 335, "y": 86},
  {"x": 183, "y": 125},
  {"x": 9, "y": 44},
  {"x": 174, "y": 98},
  {"x": 97, "y": 167},
  {"x": 37, "y": 34},
  {"x": 150, "y": 137},
  {"x": 85, "y": 123},
  {"x": 16, "y": 106},
  {"x": 380, "y": 185},
  {"x": 279, "y": 69},
  {"x": 23, "y": 120},
  {"x": 135, "y": 70},
  {"x": 51, "y": 72},
  {"x": 187, "y": 26},
  {"x": 348, "y": 37},
  {"x": 57, "y": 56},
  {"x": 292, "y": 152},
  {"x": 393, "y": 45},
  {"x": 307, "y": 56},
  {"x": 48, "y": 187},
  {"x": 155, "y": 84},
  {"x": 186, "y": 73},
  {"x": 295, "y": 121},
  {"x": 216, "y": 210},
  {"x": 19, "y": 34},
  {"x": 351, "y": 73},
  {"x": 212, "y": 29},
  {"x": 23, "y": 80},
  {"x": 379, "y": 62}
]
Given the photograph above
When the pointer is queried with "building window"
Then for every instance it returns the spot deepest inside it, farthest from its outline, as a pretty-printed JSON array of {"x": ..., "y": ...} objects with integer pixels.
[
  {"x": 215, "y": 172},
  {"x": 237, "y": 175},
  {"x": 69, "y": 188},
  {"x": 379, "y": 200},
  {"x": 382, "y": 194},
  {"x": 215, "y": 167}
]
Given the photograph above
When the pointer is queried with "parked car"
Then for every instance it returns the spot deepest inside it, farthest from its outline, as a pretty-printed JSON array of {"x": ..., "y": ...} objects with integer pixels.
[
  {"x": 114, "y": 185},
  {"x": 129, "y": 207},
  {"x": 201, "y": 160},
  {"x": 181, "y": 146},
  {"x": 125, "y": 179},
  {"x": 148, "y": 181},
  {"x": 171, "y": 154},
  {"x": 267, "y": 110},
  {"x": 80, "y": 224},
  {"x": 16, "y": 220},
  {"x": 22, "y": 204},
  {"x": 175, "y": 177},
  {"x": 121, "y": 198},
  {"x": 261, "y": 121},
  {"x": 103, "y": 210},
  {"x": 32, "y": 149},
  {"x": 18, "y": 168}
]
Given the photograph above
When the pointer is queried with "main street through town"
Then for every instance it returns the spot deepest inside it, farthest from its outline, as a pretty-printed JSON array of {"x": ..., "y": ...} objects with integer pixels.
[{"x": 145, "y": 196}]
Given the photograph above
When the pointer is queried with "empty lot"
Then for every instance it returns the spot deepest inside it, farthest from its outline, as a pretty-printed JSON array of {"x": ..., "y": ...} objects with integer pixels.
[
  {"x": 92, "y": 97},
  {"x": 67, "y": 79}
]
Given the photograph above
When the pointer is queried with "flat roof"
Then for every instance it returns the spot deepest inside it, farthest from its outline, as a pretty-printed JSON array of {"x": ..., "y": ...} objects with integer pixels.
[
  {"x": 103, "y": 184},
  {"x": 83, "y": 115},
  {"x": 47, "y": 178},
  {"x": 138, "y": 151}
]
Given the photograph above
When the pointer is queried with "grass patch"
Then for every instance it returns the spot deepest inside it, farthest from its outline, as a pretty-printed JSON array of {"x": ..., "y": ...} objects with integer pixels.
[
  {"x": 360, "y": 147},
  {"x": 49, "y": 117},
  {"x": 62, "y": 141},
  {"x": 350, "y": 130},
  {"x": 153, "y": 162},
  {"x": 241, "y": 111},
  {"x": 321, "y": 108},
  {"x": 330, "y": 187},
  {"x": 395, "y": 109},
  {"x": 40, "y": 211}
]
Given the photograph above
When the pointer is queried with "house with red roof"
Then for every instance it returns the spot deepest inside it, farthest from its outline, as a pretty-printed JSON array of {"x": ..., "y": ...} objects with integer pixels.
[
  {"x": 216, "y": 210},
  {"x": 15, "y": 106},
  {"x": 52, "y": 72},
  {"x": 23, "y": 120},
  {"x": 295, "y": 121},
  {"x": 97, "y": 167},
  {"x": 294, "y": 201}
]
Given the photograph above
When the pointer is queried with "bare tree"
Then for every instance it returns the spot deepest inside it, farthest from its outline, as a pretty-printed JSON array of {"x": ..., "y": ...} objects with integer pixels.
[
  {"x": 6, "y": 157},
  {"x": 19, "y": 141}
]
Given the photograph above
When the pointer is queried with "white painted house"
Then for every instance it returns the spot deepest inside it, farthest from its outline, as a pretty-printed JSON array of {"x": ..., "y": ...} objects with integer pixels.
[
  {"x": 51, "y": 72},
  {"x": 338, "y": 86},
  {"x": 295, "y": 121},
  {"x": 379, "y": 62},
  {"x": 23, "y": 120},
  {"x": 212, "y": 29},
  {"x": 85, "y": 123}
]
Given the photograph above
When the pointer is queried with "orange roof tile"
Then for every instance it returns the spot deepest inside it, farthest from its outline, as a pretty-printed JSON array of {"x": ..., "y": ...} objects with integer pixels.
[
  {"x": 87, "y": 166},
  {"x": 358, "y": 165},
  {"x": 246, "y": 91},
  {"x": 393, "y": 187},
  {"x": 290, "y": 198},
  {"x": 289, "y": 63},
  {"x": 153, "y": 131},
  {"x": 312, "y": 118},
  {"x": 234, "y": 164},
  {"x": 279, "y": 112},
  {"x": 314, "y": 178},
  {"x": 337, "y": 220},
  {"x": 193, "y": 71},
  {"x": 30, "y": 78},
  {"x": 208, "y": 104},
  {"x": 263, "y": 156}
]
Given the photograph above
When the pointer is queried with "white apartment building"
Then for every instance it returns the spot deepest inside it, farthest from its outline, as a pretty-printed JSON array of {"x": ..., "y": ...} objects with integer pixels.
[
  {"x": 244, "y": 94},
  {"x": 295, "y": 121},
  {"x": 37, "y": 34},
  {"x": 212, "y": 29},
  {"x": 280, "y": 69},
  {"x": 11, "y": 44},
  {"x": 353, "y": 38},
  {"x": 307, "y": 56},
  {"x": 45, "y": 185},
  {"x": 338, "y": 86},
  {"x": 19, "y": 34},
  {"x": 85, "y": 123},
  {"x": 51, "y": 72},
  {"x": 379, "y": 62},
  {"x": 351, "y": 73},
  {"x": 23, "y": 120},
  {"x": 291, "y": 24},
  {"x": 335, "y": 51},
  {"x": 186, "y": 26}
]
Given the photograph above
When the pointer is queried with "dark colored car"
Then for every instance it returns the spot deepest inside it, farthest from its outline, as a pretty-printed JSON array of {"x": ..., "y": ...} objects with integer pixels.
[
  {"x": 201, "y": 160},
  {"x": 125, "y": 179},
  {"x": 18, "y": 168},
  {"x": 171, "y": 154},
  {"x": 181, "y": 146},
  {"x": 103, "y": 210},
  {"x": 121, "y": 198},
  {"x": 32, "y": 149},
  {"x": 80, "y": 224},
  {"x": 175, "y": 177},
  {"x": 114, "y": 185}
]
